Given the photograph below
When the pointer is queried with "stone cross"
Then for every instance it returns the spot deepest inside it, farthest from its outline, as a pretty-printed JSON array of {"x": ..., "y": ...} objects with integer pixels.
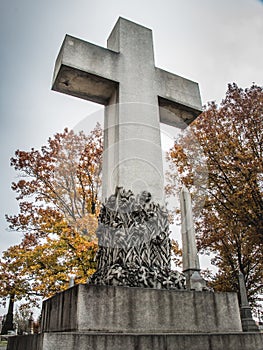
[
  {"x": 133, "y": 232},
  {"x": 138, "y": 97}
]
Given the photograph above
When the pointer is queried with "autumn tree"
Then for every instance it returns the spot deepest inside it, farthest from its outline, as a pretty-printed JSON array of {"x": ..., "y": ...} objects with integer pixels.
[
  {"x": 58, "y": 194},
  {"x": 225, "y": 147}
]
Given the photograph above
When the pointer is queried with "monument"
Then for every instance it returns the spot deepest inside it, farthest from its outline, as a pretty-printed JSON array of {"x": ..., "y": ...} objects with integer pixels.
[
  {"x": 133, "y": 226},
  {"x": 248, "y": 324},
  {"x": 191, "y": 265},
  {"x": 134, "y": 300}
]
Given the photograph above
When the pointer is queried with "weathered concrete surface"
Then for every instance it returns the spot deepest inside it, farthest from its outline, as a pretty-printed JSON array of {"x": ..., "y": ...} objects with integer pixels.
[
  {"x": 124, "y": 78},
  {"x": 85, "y": 341},
  {"x": 123, "y": 309}
]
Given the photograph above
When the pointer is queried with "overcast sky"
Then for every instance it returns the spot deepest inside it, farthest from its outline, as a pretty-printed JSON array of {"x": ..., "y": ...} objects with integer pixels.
[{"x": 211, "y": 42}]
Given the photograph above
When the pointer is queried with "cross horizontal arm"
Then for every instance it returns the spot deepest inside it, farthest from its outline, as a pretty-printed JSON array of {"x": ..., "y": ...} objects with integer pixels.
[
  {"x": 85, "y": 70},
  {"x": 179, "y": 99}
]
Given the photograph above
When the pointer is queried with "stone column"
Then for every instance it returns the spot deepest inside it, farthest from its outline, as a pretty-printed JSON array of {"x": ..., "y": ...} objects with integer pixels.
[
  {"x": 191, "y": 266},
  {"x": 248, "y": 324}
]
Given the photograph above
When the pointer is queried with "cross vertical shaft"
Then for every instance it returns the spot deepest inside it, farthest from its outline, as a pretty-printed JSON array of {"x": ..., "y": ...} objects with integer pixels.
[{"x": 134, "y": 159}]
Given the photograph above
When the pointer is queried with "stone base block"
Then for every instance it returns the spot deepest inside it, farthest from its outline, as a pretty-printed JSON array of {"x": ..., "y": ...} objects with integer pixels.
[
  {"x": 248, "y": 324},
  {"x": 87, "y": 317},
  {"x": 86, "y": 308},
  {"x": 84, "y": 341}
]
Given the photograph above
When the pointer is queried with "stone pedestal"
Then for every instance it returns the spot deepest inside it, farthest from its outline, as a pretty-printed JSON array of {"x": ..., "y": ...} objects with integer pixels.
[
  {"x": 100, "y": 341},
  {"x": 87, "y": 308},
  {"x": 88, "y": 317},
  {"x": 248, "y": 324}
]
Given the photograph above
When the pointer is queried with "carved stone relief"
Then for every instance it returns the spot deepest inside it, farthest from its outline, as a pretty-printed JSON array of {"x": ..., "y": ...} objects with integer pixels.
[{"x": 134, "y": 244}]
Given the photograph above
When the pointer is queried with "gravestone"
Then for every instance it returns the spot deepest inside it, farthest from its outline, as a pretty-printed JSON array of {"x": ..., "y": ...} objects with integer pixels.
[{"x": 135, "y": 301}]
